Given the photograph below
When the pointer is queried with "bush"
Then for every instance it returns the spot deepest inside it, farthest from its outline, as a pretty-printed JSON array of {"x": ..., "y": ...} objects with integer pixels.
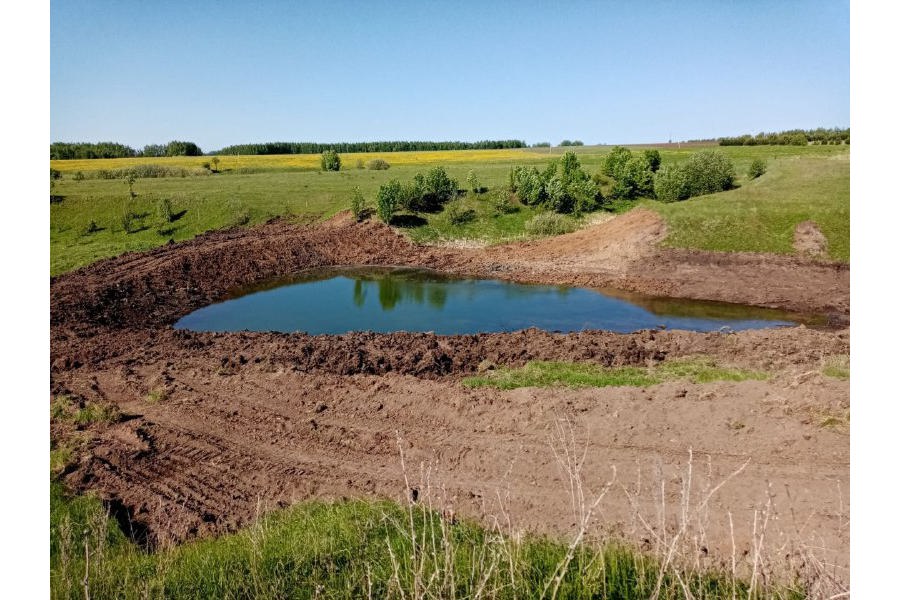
[
  {"x": 635, "y": 179},
  {"x": 129, "y": 222},
  {"x": 653, "y": 158},
  {"x": 439, "y": 185},
  {"x": 549, "y": 224},
  {"x": 358, "y": 204},
  {"x": 78, "y": 176},
  {"x": 670, "y": 184},
  {"x": 528, "y": 185},
  {"x": 331, "y": 161},
  {"x": 473, "y": 183},
  {"x": 378, "y": 164},
  {"x": 614, "y": 162},
  {"x": 165, "y": 210},
  {"x": 388, "y": 200},
  {"x": 757, "y": 168},
  {"x": 90, "y": 228},
  {"x": 563, "y": 186},
  {"x": 457, "y": 216},
  {"x": 55, "y": 174},
  {"x": 708, "y": 172},
  {"x": 705, "y": 172},
  {"x": 503, "y": 203}
]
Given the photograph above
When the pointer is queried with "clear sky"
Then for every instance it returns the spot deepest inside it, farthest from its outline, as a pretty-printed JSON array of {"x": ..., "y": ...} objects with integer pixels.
[{"x": 220, "y": 73}]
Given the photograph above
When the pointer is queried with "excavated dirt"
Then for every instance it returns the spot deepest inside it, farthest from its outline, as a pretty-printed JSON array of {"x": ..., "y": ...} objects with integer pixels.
[
  {"x": 217, "y": 426},
  {"x": 809, "y": 240}
]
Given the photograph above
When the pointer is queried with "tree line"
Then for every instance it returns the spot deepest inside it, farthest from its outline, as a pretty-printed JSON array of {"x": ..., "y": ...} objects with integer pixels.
[
  {"x": 351, "y": 147},
  {"x": 792, "y": 137},
  {"x": 83, "y": 150}
]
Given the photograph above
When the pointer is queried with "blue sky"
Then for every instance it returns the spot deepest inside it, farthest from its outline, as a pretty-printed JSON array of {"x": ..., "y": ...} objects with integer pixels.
[{"x": 220, "y": 73}]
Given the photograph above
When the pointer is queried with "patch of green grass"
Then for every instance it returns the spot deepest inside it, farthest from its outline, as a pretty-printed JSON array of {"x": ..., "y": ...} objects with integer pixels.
[
  {"x": 355, "y": 549},
  {"x": 837, "y": 366},
  {"x": 546, "y": 374},
  {"x": 703, "y": 369},
  {"x": 67, "y": 408},
  {"x": 761, "y": 215},
  {"x": 569, "y": 374},
  {"x": 157, "y": 395}
]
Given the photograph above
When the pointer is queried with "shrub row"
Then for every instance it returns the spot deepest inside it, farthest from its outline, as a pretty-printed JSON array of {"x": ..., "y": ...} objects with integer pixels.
[
  {"x": 562, "y": 187},
  {"x": 793, "y": 137},
  {"x": 425, "y": 193}
]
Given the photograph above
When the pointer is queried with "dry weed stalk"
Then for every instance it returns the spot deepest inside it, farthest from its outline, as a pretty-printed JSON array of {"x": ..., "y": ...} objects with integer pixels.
[{"x": 565, "y": 450}]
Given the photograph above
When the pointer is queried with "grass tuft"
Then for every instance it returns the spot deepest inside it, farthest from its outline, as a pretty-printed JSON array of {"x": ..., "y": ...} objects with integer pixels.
[{"x": 837, "y": 366}]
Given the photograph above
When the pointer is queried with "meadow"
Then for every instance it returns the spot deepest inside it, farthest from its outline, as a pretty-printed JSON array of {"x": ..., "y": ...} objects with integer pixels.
[{"x": 86, "y": 220}]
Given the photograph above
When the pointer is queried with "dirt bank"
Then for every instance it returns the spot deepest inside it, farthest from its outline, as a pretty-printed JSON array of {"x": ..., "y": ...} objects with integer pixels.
[{"x": 216, "y": 425}]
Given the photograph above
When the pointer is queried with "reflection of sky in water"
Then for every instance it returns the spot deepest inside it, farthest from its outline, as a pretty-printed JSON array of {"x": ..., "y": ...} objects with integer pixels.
[{"x": 404, "y": 300}]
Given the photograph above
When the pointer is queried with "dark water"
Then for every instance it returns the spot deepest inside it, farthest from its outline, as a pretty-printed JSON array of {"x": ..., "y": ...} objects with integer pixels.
[{"x": 378, "y": 299}]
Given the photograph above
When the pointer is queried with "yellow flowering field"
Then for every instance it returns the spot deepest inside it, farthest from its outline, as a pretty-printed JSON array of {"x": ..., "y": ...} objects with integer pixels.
[{"x": 307, "y": 161}]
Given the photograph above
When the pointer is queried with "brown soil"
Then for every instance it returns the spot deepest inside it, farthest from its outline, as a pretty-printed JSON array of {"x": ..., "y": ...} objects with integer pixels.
[
  {"x": 810, "y": 241},
  {"x": 238, "y": 421}
]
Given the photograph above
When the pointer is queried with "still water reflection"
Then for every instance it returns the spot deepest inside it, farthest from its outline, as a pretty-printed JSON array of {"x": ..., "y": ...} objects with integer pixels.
[{"x": 385, "y": 299}]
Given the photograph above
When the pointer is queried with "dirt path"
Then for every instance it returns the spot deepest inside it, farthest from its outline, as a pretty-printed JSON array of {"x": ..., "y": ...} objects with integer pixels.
[{"x": 250, "y": 420}]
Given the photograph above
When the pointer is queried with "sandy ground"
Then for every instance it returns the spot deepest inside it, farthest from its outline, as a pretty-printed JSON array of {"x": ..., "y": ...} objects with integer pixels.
[{"x": 249, "y": 422}]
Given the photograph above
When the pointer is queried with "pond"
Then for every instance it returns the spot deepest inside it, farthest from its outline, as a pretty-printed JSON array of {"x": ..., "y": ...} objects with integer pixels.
[{"x": 340, "y": 300}]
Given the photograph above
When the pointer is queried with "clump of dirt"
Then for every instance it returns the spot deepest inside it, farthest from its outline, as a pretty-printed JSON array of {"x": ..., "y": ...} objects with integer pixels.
[{"x": 810, "y": 241}]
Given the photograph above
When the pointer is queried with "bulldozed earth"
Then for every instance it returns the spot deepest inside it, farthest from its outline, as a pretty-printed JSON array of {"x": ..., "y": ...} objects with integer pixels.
[{"x": 211, "y": 429}]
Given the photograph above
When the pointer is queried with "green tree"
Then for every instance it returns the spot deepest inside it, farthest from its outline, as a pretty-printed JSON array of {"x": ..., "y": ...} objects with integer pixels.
[
  {"x": 358, "y": 204},
  {"x": 757, "y": 168},
  {"x": 614, "y": 162},
  {"x": 472, "y": 181},
  {"x": 653, "y": 158},
  {"x": 708, "y": 172},
  {"x": 388, "y": 200},
  {"x": 670, "y": 184}
]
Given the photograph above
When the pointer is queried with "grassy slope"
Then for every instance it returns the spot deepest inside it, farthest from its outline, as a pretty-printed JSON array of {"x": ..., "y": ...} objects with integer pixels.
[
  {"x": 351, "y": 549},
  {"x": 761, "y": 215},
  {"x": 806, "y": 182}
]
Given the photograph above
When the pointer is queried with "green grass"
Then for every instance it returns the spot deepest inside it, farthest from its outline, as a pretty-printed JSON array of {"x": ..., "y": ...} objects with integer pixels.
[
  {"x": 67, "y": 408},
  {"x": 569, "y": 374},
  {"x": 802, "y": 182},
  {"x": 760, "y": 216},
  {"x": 354, "y": 549},
  {"x": 837, "y": 366}
]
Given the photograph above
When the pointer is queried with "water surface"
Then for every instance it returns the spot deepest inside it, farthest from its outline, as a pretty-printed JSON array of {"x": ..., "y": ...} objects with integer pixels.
[{"x": 334, "y": 301}]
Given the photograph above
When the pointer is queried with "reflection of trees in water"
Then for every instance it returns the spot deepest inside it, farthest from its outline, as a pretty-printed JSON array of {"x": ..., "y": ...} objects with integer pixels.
[
  {"x": 359, "y": 293},
  {"x": 393, "y": 290}
]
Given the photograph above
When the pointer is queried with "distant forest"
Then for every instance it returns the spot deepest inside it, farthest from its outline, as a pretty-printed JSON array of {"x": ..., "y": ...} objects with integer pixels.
[
  {"x": 348, "y": 147},
  {"x": 793, "y": 137},
  {"x": 81, "y": 150}
]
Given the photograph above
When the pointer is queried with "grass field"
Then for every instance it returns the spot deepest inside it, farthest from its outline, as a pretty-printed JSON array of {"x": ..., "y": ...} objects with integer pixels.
[
  {"x": 802, "y": 183},
  {"x": 359, "y": 549}
]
